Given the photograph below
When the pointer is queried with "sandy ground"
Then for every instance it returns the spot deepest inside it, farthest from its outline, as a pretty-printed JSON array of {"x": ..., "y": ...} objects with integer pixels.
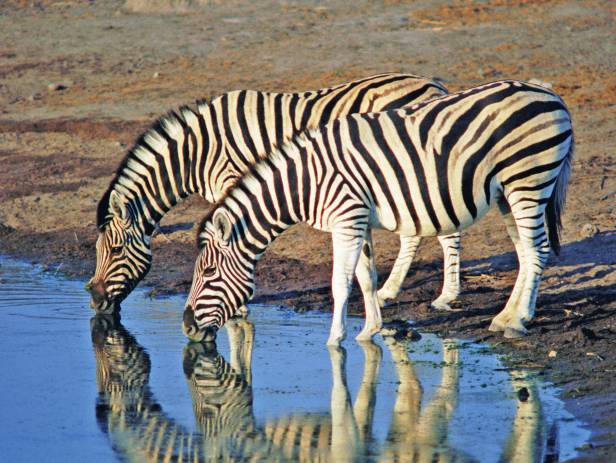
[{"x": 79, "y": 81}]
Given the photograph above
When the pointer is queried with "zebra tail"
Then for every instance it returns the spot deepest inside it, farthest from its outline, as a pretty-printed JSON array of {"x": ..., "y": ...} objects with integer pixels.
[{"x": 556, "y": 204}]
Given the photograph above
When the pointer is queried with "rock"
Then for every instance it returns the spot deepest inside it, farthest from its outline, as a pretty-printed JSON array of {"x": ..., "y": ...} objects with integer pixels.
[
  {"x": 156, "y": 75},
  {"x": 552, "y": 354},
  {"x": 523, "y": 394},
  {"x": 57, "y": 86},
  {"x": 584, "y": 334},
  {"x": 588, "y": 230},
  {"x": 400, "y": 330}
]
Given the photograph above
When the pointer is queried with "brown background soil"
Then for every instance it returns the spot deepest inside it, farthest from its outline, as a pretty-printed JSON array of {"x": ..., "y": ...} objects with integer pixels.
[{"x": 118, "y": 65}]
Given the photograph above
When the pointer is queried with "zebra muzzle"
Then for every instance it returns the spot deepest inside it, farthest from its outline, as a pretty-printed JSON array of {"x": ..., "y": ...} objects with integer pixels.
[{"x": 192, "y": 330}]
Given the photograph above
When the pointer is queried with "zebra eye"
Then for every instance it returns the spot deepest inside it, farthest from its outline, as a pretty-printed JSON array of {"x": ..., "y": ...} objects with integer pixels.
[
  {"x": 116, "y": 249},
  {"x": 209, "y": 271}
]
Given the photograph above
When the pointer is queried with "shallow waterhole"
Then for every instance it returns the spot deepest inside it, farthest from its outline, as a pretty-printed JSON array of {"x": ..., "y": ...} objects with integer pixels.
[{"x": 75, "y": 387}]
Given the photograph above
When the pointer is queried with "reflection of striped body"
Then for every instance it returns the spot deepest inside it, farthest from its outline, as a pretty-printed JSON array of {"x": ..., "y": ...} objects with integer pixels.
[
  {"x": 205, "y": 150},
  {"x": 227, "y": 430},
  {"x": 432, "y": 169},
  {"x": 138, "y": 428}
]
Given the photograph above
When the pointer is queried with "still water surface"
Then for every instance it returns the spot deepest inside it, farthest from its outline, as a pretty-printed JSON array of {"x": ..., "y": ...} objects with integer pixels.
[{"x": 80, "y": 388}]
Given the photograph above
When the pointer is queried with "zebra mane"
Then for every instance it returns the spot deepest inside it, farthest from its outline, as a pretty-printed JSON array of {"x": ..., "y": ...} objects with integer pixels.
[
  {"x": 103, "y": 214},
  {"x": 297, "y": 142}
]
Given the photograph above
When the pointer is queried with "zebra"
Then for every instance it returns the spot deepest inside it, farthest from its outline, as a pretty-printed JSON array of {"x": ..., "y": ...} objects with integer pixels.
[
  {"x": 432, "y": 169},
  {"x": 205, "y": 150}
]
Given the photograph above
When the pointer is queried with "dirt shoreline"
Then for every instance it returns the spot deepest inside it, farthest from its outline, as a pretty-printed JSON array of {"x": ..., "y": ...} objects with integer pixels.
[{"x": 73, "y": 99}]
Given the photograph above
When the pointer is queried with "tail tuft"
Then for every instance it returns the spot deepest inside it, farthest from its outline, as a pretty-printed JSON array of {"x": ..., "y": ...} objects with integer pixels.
[{"x": 556, "y": 204}]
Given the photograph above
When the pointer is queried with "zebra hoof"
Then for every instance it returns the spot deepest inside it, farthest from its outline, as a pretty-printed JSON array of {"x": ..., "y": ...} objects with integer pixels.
[
  {"x": 496, "y": 326},
  {"x": 367, "y": 335},
  {"x": 515, "y": 333},
  {"x": 335, "y": 340},
  {"x": 442, "y": 303},
  {"x": 385, "y": 302}
]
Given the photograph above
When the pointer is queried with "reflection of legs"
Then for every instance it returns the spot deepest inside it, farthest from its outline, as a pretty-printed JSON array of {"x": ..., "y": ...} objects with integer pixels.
[
  {"x": 344, "y": 428},
  {"x": 525, "y": 443},
  {"x": 391, "y": 288},
  {"x": 451, "y": 282},
  {"x": 402, "y": 433},
  {"x": 366, "y": 276},
  {"x": 434, "y": 422},
  {"x": 366, "y": 397},
  {"x": 241, "y": 336},
  {"x": 347, "y": 247}
]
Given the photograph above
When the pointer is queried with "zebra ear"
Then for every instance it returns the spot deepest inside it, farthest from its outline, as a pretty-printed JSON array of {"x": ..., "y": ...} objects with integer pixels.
[
  {"x": 222, "y": 225},
  {"x": 117, "y": 205}
]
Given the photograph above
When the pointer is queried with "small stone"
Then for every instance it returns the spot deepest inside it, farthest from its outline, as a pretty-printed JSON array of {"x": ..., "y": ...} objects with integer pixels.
[
  {"x": 523, "y": 394},
  {"x": 588, "y": 230},
  {"x": 552, "y": 354},
  {"x": 156, "y": 75},
  {"x": 56, "y": 86},
  {"x": 412, "y": 335}
]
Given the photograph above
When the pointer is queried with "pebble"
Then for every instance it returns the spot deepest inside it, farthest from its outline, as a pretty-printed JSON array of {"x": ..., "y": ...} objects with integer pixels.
[
  {"x": 552, "y": 354},
  {"x": 588, "y": 230},
  {"x": 57, "y": 86},
  {"x": 156, "y": 75},
  {"x": 523, "y": 394}
]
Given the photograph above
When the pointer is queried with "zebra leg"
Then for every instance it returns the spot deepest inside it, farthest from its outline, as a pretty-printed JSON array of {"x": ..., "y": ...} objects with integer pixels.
[
  {"x": 536, "y": 249},
  {"x": 367, "y": 278},
  {"x": 391, "y": 288},
  {"x": 346, "y": 254},
  {"x": 501, "y": 320},
  {"x": 451, "y": 282}
]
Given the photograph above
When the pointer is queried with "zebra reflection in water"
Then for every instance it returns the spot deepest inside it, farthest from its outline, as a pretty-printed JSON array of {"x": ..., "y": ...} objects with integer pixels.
[{"x": 222, "y": 396}]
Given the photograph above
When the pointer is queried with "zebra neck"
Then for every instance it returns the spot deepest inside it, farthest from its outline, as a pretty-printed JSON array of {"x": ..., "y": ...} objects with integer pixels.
[{"x": 162, "y": 169}]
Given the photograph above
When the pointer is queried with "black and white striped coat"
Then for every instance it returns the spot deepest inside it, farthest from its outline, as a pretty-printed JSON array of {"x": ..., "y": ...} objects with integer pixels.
[
  {"x": 205, "y": 150},
  {"x": 432, "y": 169}
]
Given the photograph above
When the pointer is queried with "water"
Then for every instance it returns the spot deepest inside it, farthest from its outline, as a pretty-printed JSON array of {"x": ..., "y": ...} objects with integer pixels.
[{"x": 76, "y": 387}]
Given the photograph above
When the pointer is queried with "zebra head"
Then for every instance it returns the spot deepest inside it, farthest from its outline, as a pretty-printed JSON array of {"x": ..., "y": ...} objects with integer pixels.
[
  {"x": 223, "y": 279},
  {"x": 123, "y": 254}
]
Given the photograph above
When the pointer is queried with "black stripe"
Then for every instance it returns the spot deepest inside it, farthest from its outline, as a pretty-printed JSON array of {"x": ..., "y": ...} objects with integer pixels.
[
  {"x": 204, "y": 151},
  {"x": 241, "y": 118},
  {"x": 267, "y": 147},
  {"x": 278, "y": 119}
]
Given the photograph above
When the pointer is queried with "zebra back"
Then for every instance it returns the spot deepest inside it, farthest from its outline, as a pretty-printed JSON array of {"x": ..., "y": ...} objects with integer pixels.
[{"x": 206, "y": 149}]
